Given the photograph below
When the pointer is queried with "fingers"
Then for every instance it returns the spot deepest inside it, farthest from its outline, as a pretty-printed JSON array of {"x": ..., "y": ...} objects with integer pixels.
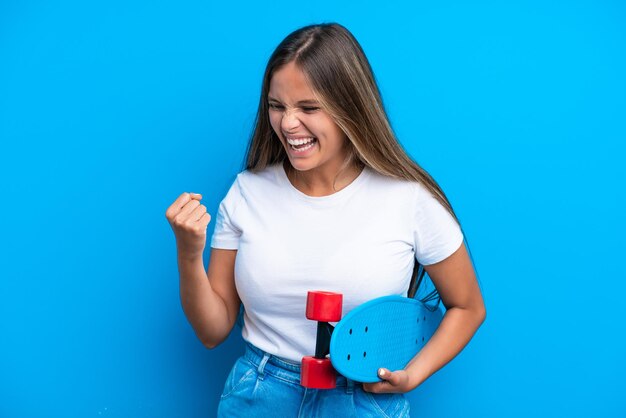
[
  {"x": 392, "y": 382},
  {"x": 196, "y": 222},
  {"x": 197, "y": 213},
  {"x": 204, "y": 221},
  {"x": 180, "y": 205},
  {"x": 379, "y": 387},
  {"x": 389, "y": 376},
  {"x": 383, "y": 386},
  {"x": 189, "y": 220}
]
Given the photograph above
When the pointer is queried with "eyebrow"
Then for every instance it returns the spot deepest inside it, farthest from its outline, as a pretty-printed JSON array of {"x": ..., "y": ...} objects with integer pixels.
[{"x": 300, "y": 102}]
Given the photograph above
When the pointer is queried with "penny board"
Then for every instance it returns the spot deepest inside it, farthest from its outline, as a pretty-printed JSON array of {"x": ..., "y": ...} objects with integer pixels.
[{"x": 384, "y": 332}]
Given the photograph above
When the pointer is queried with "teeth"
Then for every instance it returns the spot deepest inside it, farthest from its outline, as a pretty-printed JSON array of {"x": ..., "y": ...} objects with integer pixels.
[
  {"x": 300, "y": 141},
  {"x": 306, "y": 147}
]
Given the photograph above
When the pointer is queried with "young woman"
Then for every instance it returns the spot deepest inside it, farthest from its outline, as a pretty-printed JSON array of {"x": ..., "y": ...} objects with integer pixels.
[{"x": 329, "y": 201}]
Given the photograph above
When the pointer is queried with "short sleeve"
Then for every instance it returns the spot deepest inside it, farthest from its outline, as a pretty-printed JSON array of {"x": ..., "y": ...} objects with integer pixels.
[
  {"x": 436, "y": 233},
  {"x": 227, "y": 232}
]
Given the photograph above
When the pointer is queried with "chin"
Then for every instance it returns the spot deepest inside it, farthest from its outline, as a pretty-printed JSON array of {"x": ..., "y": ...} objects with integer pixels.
[{"x": 302, "y": 165}]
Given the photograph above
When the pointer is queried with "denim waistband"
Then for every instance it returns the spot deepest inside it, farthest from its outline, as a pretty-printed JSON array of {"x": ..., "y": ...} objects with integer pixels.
[{"x": 282, "y": 368}]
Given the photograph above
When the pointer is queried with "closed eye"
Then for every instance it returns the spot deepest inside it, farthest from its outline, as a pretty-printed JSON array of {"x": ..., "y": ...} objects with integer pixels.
[{"x": 307, "y": 109}]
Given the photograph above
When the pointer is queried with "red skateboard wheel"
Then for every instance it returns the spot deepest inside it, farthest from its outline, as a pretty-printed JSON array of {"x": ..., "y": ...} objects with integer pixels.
[
  {"x": 317, "y": 373},
  {"x": 323, "y": 306}
]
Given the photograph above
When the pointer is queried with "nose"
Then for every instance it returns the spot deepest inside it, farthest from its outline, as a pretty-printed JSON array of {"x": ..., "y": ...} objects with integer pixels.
[{"x": 290, "y": 121}]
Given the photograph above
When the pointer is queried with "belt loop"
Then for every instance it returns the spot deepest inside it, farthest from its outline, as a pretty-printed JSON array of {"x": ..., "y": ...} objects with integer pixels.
[
  {"x": 349, "y": 386},
  {"x": 261, "y": 368}
]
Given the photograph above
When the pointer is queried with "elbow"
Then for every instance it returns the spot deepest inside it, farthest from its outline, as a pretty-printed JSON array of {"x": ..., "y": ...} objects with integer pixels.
[
  {"x": 211, "y": 342},
  {"x": 206, "y": 340},
  {"x": 479, "y": 311},
  {"x": 209, "y": 345},
  {"x": 481, "y": 314}
]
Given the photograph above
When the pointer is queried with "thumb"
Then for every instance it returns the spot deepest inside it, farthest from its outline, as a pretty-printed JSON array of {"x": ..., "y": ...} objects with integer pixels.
[{"x": 392, "y": 377}]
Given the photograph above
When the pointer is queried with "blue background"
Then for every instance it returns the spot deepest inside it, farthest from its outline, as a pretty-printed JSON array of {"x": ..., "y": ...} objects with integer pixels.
[{"x": 110, "y": 110}]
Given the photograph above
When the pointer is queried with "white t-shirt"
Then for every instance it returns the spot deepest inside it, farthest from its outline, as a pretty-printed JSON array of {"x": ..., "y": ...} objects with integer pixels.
[{"x": 360, "y": 241}]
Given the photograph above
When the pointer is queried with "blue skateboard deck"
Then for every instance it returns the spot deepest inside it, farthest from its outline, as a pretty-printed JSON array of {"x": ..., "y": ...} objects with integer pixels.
[{"x": 384, "y": 332}]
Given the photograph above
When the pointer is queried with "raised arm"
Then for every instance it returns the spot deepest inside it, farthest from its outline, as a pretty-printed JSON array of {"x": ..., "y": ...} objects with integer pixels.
[
  {"x": 210, "y": 300},
  {"x": 212, "y": 305}
]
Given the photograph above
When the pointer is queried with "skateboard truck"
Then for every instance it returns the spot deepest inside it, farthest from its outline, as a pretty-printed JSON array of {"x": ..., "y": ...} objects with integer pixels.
[{"x": 317, "y": 372}]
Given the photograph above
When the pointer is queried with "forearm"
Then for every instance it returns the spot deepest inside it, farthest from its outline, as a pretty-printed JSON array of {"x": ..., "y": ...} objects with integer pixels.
[
  {"x": 454, "y": 332},
  {"x": 204, "y": 308}
]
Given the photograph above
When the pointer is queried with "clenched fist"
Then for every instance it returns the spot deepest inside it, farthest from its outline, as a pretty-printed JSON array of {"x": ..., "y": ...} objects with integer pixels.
[{"x": 189, "y": 220}]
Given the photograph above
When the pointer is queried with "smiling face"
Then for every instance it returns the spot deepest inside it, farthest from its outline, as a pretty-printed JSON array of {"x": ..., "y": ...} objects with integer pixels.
[{"x": 312, "y": 139}]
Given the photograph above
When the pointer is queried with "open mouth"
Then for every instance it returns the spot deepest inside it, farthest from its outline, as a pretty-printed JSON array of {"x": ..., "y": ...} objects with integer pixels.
[{"x": 301, "y": 145}]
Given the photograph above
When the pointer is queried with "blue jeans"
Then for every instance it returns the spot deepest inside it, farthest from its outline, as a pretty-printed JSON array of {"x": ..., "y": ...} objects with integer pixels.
[{"x": 263, "y": 385}]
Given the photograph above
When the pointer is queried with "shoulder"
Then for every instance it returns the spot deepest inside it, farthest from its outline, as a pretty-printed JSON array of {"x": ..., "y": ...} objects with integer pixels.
[
  {"x": 254, "y": 184},
  {"x": 266, "y": 177},
  {"x": 410, "y": 194},
  {"x": 406, "y": 189},
  {"x": 263, "y": 175}
]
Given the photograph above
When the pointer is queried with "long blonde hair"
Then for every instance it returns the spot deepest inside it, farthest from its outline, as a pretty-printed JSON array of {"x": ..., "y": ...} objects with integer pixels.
[{"x": 339, "y": 73}]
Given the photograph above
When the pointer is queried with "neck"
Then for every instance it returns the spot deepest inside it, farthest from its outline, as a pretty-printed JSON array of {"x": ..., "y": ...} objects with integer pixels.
[{"x": 317, "y": 182}]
